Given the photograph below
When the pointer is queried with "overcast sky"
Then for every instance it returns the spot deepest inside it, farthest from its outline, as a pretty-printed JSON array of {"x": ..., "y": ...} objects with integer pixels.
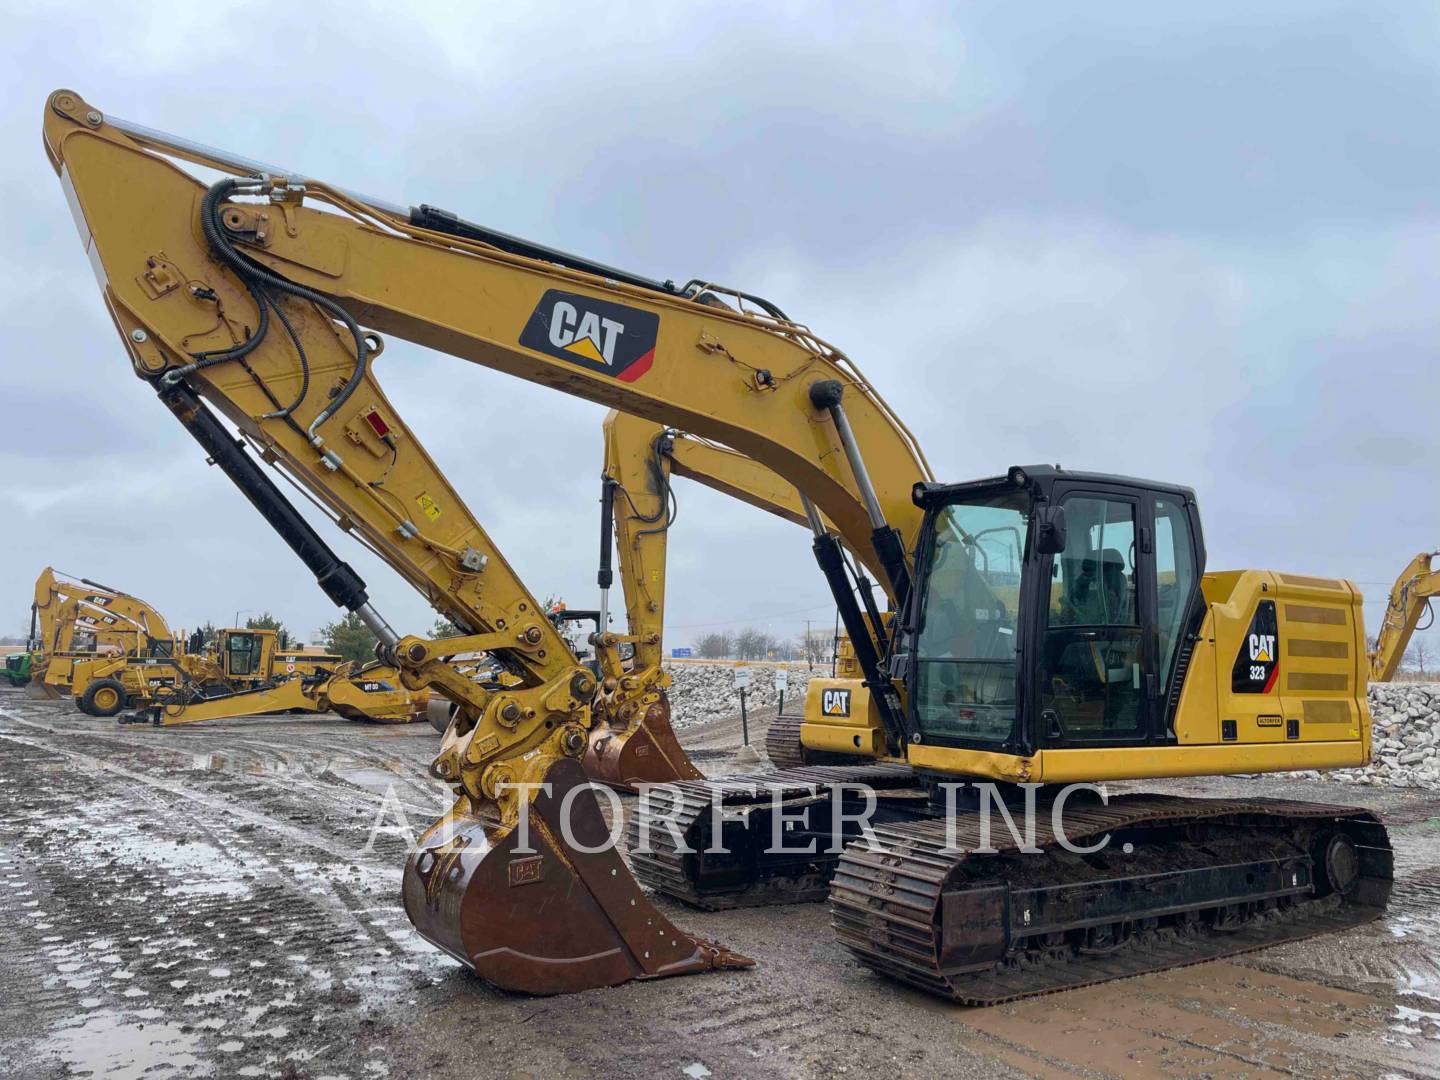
[{"x": 1201, "y": 246}]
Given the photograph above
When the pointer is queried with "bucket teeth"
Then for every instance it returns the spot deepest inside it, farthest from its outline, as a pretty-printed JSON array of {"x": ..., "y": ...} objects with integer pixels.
[{"x": 553, "y": 912}]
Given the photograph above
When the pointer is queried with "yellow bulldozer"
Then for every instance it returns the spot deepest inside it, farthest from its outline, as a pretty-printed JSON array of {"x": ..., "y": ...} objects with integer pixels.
[{"x": 1048, "y": 628}]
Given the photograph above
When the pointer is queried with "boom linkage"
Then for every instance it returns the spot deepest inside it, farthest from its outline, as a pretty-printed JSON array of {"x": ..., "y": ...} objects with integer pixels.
[{"x": 272, "y": 311}]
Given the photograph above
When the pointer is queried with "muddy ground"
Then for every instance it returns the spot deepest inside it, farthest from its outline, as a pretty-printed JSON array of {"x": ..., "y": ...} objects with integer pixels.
[{"x": 214, "y": 901}]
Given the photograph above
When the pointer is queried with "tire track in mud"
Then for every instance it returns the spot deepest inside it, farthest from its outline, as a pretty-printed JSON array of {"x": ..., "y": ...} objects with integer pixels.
[{"x": 238, "y": 914}]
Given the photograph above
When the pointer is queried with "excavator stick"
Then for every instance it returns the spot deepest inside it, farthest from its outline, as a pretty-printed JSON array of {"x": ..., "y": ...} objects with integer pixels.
[
  {"x": 648, "y": 753},
  {"x": 536, "y": 915},
  {"x": 634, "y": 743}
]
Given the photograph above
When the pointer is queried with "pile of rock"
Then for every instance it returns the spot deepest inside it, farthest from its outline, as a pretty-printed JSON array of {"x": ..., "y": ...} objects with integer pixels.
[
  {"x": 1405, "y": 746},
  {"x": 702, "y": 692},
  {"x": 1404, "y": 740}
]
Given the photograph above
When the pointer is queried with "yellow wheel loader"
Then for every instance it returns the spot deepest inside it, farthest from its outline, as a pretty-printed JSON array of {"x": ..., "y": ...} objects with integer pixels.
[{"x": 1049, "y": 627}]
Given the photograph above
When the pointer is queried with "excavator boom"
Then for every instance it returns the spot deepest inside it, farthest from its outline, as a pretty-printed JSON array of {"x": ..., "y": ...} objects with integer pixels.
[
  {"x": 257, "y": 306},
  {"x": 1409, "y": 600}
]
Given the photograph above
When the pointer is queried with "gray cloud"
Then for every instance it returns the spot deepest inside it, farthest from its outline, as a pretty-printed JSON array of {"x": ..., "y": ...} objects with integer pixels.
[{"x": 1193, "y": 245}]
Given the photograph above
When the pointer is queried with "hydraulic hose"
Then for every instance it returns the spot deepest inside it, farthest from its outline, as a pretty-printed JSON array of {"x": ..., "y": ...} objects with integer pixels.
[{"x": 255, "y": 276}]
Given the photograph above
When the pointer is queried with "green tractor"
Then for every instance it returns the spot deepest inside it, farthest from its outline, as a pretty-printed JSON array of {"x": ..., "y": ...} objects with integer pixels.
[{"x": 16, "y": 671}]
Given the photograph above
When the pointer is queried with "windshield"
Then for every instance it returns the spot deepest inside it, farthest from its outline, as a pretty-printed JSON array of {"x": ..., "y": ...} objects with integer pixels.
[{"x": 965, "y": 652}]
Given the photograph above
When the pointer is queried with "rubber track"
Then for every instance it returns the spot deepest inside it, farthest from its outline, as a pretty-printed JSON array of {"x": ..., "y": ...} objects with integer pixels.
[{"x": 885, "y": 907}]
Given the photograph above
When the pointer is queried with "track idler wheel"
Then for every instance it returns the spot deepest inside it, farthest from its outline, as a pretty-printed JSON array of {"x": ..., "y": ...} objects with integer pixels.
[
  {"x": 548, "y": 920},
  {"x": 1338, "y": 863},
  {"x": 646, "y": 753}
]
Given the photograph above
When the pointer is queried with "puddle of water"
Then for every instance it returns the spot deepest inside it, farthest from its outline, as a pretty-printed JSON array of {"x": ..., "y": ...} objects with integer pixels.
[
  {"x": 1420, "y": 1022},
  {"x": 107, "y": 1044},
  {"x": 202, "y": 869},
  {"x": 377, "y": 780}
]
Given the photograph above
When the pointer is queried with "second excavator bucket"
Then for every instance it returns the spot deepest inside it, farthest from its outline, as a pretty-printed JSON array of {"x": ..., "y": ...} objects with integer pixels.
[
  {"x": 39, "y": 690},
  {"x": 647, "y": 752},
  {"x": 539, "y": 915}
]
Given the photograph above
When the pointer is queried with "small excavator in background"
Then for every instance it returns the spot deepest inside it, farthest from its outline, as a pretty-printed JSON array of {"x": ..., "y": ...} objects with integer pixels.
[
  {"x": 1409, "y": 600},
  {"x": 245, "y": 672},
  {"x": 66, "y": 609},
  {"x": 633, "y": 743},
  {"x": 1050, "y": 628},
  {"x": 138, "y": 663},
  {"x": 258, "y": 678}
]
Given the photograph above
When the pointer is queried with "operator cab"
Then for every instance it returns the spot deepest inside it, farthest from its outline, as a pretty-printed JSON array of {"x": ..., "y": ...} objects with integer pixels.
[{"x": 1052, "y": 609}]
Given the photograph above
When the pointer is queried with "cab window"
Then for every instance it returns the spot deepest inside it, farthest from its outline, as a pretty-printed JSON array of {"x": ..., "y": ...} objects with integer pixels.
[
  {"x": 1175, "y": 577},
  {"x": 243, "y": 654},
  {"x": 969, "y": 619},
  {"x": 1092, "y": 658}
]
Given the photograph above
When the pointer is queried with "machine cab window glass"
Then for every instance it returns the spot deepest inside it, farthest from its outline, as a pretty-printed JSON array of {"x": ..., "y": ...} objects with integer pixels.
[
  {"x": 965, "y": 651},
  {"x": 1175, "y": 578},
  {"x": 1092, "y": 653},
  {"x": 242, "y": 654}
]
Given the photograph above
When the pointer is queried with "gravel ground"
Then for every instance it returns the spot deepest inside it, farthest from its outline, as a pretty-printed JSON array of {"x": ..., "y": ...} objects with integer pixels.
[{"x": 213, "y": 901}]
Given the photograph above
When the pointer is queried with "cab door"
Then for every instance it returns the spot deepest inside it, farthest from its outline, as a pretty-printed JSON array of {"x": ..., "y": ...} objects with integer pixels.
[
  {"x": 242, "y": 656},
  {"x": 1096, "y": 655}
]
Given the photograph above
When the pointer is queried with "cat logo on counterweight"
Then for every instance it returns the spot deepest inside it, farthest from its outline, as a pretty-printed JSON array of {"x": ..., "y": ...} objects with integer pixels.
[{"x": 595, "y": 334}]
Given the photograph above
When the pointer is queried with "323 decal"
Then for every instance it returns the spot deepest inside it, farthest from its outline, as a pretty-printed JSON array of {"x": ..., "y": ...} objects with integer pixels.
[{"x": 1257, "y": 664}]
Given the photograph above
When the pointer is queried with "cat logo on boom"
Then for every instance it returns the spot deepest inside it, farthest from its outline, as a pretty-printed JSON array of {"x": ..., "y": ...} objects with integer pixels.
[{"x": 596, "y": 334}]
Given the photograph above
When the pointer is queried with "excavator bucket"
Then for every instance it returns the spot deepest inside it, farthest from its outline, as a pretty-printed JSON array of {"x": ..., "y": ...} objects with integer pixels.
[
  {"x": 645, "y": 753},
  {"x": 38, "y": 689},
  {"x": 536, "y": 915}
]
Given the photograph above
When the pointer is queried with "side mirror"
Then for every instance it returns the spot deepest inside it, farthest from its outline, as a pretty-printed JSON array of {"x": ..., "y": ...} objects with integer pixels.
[{"x": 1050, "y": 531}]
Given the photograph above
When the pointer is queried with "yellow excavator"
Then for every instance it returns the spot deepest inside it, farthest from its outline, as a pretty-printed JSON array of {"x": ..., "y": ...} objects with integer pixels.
[
  {"x": 118, "y": 624},
  {"x": 632, "y": 742},
  {"x": 1050, "y": 626},
  {"x": 1409, "y": 601}
]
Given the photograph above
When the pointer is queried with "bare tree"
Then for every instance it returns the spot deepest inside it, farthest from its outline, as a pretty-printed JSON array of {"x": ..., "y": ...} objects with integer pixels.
[
  {"x": 716, "y": 645},
  {"x": 754, "y": 644},
  {"x": 1417, "y": 656}
]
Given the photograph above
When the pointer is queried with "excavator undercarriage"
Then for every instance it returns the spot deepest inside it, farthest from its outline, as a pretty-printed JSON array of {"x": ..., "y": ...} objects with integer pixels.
[{"x": 965, "y": 904}]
